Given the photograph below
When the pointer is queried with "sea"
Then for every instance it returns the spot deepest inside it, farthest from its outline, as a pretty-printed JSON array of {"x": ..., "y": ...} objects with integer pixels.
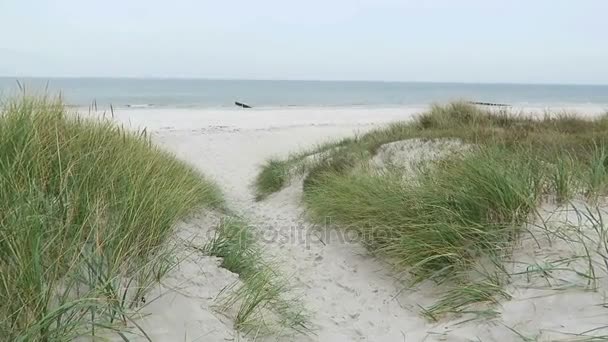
[{"x": 207, "y": 93}]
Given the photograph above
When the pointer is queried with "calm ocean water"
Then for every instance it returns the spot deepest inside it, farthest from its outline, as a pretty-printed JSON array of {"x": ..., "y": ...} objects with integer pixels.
[{"x": 197, "y": 93}]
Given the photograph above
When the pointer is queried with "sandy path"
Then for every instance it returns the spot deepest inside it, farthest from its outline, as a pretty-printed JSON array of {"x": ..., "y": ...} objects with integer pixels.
[{"x": 349, "y": 293}]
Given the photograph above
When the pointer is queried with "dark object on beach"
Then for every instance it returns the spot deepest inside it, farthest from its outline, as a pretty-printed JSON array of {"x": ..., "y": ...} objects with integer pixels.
[
  {"x": 240, "y": 104},
  {"x": 489, "y": 104}
]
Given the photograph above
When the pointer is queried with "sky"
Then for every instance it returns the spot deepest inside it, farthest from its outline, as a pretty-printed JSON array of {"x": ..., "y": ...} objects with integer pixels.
[{"x": 510, "y": 41}]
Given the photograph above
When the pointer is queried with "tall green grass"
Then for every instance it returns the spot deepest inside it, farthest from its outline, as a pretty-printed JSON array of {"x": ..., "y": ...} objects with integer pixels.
[
  {"x": 438, "y": 224},
  {"x": 85, "y": 210},
  {"x": 564, "y": 178},
  {"x": 597, "y": 174}
]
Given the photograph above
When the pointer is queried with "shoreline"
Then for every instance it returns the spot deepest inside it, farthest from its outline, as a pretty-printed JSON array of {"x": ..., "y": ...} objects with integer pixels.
[
  {"x": 233, "y": 107},
  {"x": 273, "y": 118}
]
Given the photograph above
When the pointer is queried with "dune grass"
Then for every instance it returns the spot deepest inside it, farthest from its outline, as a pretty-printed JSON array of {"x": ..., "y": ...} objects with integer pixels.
[
  {"x": 263, "y": 299},
  {"x": 438, "y": 223},
  {"x": 85, "y": 210},
  {"x": 550, "y": 136},
  {"x": 272, "y": 178},
  {"x": 597, "y": 174},
  {"x": 275, "y": 174}
]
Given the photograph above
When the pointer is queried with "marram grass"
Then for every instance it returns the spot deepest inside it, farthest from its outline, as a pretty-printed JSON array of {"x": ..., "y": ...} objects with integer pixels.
[
  {"x": 85, "y": 210},
  {"x": 435, "y": 225},
  {"x": 463, "y": 208},
  {"x": 264, "y": 302}
]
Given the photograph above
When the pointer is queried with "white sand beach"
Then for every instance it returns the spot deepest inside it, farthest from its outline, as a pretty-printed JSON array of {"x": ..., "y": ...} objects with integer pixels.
[{"x": 352, "y": 296}]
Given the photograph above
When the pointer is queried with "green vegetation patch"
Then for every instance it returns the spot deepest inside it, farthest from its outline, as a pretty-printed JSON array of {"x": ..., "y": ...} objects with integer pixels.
[
  {"x": 438, "y": 222},
  {"x": 85, "y": 210},
  {"x": 263, "y": 299}
]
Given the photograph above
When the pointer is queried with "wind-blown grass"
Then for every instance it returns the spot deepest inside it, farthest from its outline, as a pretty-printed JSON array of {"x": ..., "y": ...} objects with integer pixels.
[
  {"x": 85, "y": 210},
  {"x": 564, "y": 178},
  {"x": 458, "y": 299},
  {"x": 274, "y": 176},
  {"x": 262, "y": 297},
  {"x": 597, "y": 175},
  {"x": 438, "y": 223}
]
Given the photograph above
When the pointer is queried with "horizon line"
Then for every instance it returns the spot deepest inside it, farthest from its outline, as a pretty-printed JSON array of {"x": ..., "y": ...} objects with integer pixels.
[{"x": 294, "y": 80}]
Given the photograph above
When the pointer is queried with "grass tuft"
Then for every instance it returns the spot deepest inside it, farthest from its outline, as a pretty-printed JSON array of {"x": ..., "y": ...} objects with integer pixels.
[
  {"x": 274, "y": 176},
  {"x": 597, "y": 176},
  {"x": 564, "y": 178},
  {"x": 262, "y": 297},
  {"x": 464, "y": 298},
  {"x": 457, "y": 113}
]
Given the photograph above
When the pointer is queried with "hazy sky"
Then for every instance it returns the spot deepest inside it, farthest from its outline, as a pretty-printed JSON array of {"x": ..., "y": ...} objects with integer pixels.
[{"x": 537, "y": 41}]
